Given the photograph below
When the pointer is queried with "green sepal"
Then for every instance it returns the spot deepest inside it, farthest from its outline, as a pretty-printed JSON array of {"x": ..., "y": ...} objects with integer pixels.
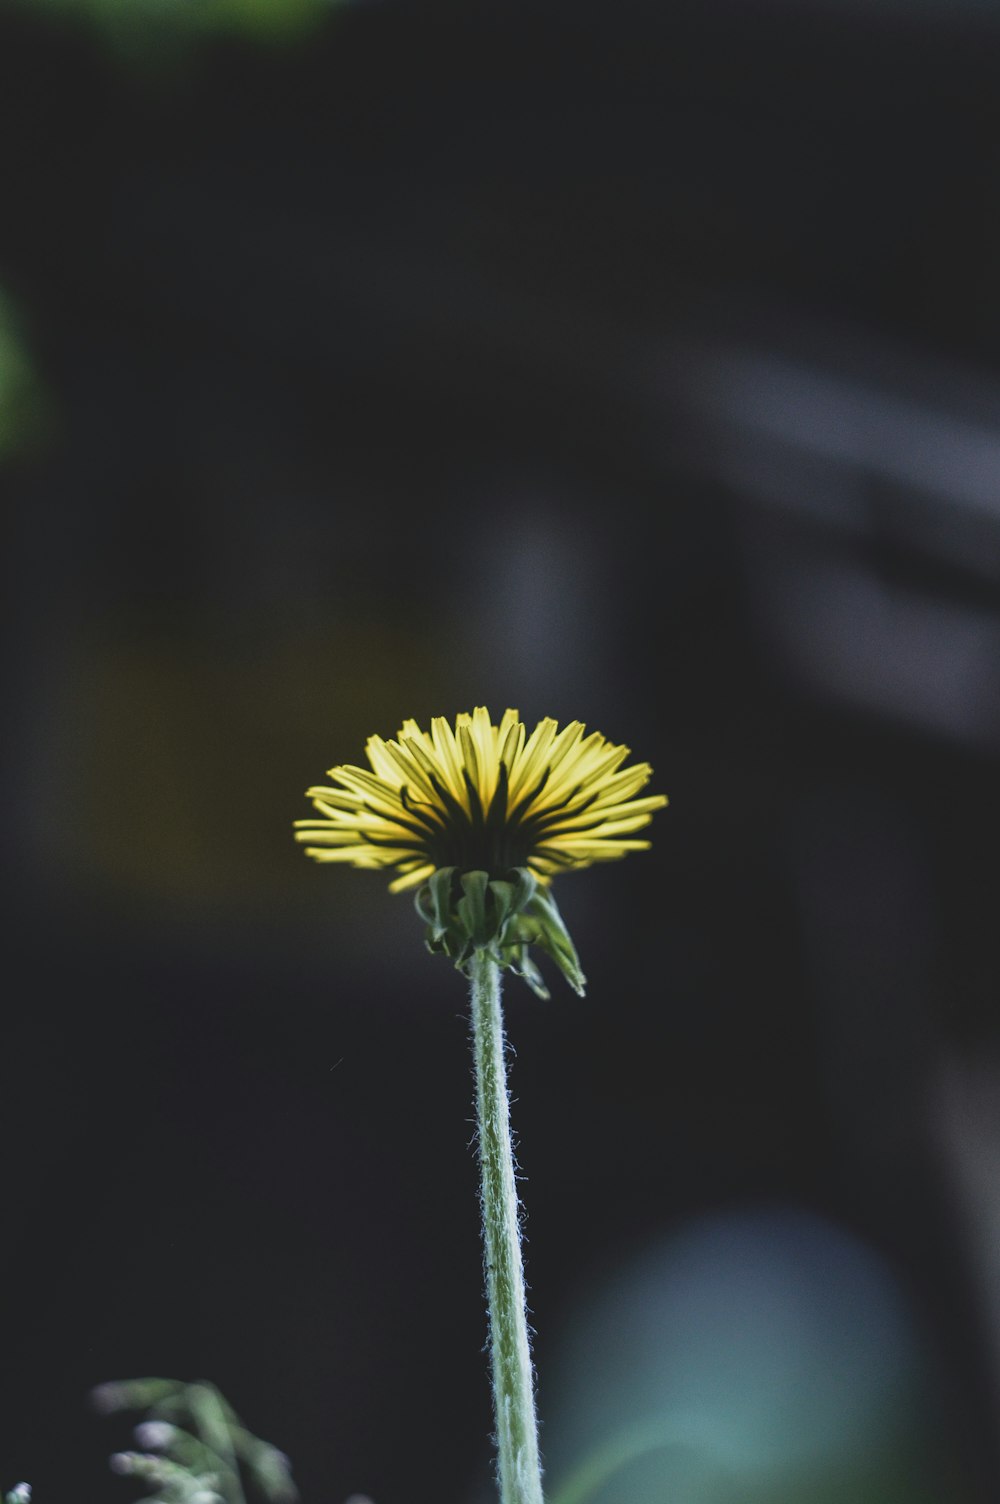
[
  {"x": 433, "y": 903},
  {"x": 471, "y": 909},
  {"x": 555, "y": 938},
  {"x": 518, "y": 959},
  {"x": 466, "y": 912}
]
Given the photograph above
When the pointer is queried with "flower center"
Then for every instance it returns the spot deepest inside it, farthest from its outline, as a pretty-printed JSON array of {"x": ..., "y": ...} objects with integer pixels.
[{"x": 492, "y": 840}]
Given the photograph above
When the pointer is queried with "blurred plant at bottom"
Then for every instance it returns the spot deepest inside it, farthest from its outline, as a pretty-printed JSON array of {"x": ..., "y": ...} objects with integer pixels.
[{"x": 192, "y": 1447}]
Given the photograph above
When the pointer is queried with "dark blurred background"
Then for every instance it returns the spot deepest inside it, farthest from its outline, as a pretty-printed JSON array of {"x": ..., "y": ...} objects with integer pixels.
[{"x": 639, "y": 364}]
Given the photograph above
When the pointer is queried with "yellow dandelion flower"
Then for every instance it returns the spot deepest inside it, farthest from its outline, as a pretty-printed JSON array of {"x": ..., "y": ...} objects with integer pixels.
[
  {"x": 486, "y": 801},
  {"x": 482, "y": 797}
]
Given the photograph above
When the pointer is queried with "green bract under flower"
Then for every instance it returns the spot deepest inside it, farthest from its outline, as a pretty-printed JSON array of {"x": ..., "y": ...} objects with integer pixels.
[{"x": 480, "y": 818}]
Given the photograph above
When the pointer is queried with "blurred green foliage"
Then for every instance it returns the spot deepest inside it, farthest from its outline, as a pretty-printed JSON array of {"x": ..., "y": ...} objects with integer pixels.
[
  {"x": 22, "y": 404},
  {"x": 142, "y": 27}
]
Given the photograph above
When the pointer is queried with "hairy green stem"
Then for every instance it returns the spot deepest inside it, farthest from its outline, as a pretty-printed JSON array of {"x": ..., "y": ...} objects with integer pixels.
[{"x": 513, "y": 1389}]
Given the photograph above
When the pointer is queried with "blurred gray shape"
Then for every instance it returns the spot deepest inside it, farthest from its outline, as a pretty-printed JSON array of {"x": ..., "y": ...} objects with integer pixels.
[{"x": 870, "y": 526}]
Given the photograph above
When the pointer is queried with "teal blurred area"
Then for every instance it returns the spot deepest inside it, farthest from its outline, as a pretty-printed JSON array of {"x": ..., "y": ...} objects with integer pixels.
[
  {"x": 759, "y": 1353},
  {"x": 639, "y": 365}
]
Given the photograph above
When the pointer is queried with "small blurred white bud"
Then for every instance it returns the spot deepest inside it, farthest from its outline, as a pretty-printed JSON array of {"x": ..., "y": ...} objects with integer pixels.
[
  {"x": 154, "y": 1435},
  {"x": 107, "y": 1398},
  {"x": 20, "y": 1494},
  {"x": 122, "y": 1462}
]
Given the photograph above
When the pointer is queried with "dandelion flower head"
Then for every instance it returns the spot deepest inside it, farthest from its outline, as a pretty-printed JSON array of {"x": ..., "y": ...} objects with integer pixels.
[{"x": 482, "y": 797}]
